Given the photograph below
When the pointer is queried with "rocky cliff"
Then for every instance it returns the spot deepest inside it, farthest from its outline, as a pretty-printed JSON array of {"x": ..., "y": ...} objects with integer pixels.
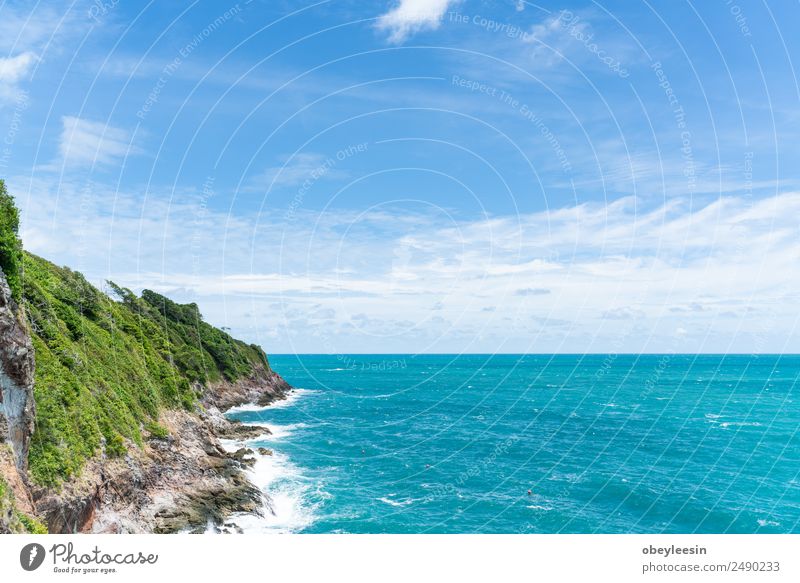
[
  {"x": 17, "y": 412},
  {"x": 179, "y": 480},
  {"x": 110, "y": 410}
]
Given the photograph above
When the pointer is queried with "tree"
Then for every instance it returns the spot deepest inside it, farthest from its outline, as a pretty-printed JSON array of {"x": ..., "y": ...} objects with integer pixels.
[{"x": 10, "y": 245}]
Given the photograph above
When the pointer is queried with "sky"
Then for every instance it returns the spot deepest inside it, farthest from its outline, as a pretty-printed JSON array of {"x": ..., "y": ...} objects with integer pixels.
[{"x": 409, "y": 176}]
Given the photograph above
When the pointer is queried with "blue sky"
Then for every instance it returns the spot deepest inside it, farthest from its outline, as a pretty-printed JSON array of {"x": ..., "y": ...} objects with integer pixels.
[{"x": 420, "y": 176}]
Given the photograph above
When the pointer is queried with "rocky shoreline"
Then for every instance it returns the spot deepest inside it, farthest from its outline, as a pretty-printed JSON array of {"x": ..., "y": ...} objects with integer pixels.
[
  {"x": 111, "y": 406},
  {"x": 183, "y": 481}
]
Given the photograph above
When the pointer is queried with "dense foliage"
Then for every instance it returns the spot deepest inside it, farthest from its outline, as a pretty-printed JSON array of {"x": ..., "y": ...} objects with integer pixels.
[
  {"x": 10, "y": 245},
  {"x": 105, "y": 368}
]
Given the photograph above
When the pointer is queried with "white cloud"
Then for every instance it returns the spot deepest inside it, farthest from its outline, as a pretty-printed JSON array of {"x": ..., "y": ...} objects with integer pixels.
[
  {"x": 86, "y": 142},
  {"x": 411, "y": 16},
  {"x": 609, "y": 275},
  {"x": 300, "y": 168},
  {"x": 25, "y": 26},
  {"x": 12, "y": 69}
]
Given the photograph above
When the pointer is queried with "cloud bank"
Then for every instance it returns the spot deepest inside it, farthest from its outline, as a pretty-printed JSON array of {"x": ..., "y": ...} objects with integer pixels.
[{"x": 682, "y": 276}]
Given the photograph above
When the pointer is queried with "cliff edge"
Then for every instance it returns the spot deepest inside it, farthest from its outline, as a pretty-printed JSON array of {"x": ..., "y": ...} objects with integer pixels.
[
  {"x": 17, "y": 413},
  {"x": 111, "y": 404}
]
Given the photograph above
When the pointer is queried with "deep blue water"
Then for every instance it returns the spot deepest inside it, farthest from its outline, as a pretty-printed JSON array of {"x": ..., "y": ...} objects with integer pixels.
[{"x": 613, "y": 444}]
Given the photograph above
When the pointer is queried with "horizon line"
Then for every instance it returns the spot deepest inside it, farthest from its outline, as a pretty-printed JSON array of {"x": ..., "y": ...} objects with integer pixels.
[{"x": 533, "y": 353}]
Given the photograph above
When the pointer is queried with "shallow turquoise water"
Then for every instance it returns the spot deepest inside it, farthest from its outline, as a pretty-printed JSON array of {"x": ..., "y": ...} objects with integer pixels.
[{"x": 616, "y": 444}]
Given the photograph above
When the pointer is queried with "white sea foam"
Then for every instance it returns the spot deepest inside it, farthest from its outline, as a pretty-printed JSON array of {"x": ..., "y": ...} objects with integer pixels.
[
  {"x": 391, "y": 502},
  {"x": 277, "y": 432},
  {"x": 274, "y": 433},
  {"x": 290, "y": 399},
  {"x": 289, "y": 503},
  {"x": 289, "y": 508},
  {"x": 740, "y": 424},
  {"x": 246, "y": 408}
]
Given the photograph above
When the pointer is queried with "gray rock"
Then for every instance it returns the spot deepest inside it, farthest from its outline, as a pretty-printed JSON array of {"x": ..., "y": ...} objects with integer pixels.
[{"x": 17, "y": 408}]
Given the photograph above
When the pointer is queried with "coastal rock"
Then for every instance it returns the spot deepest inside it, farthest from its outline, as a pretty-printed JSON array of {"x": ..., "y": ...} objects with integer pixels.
[
  {"x": 241, "y": 432},
  {"x": 180, "y": 484},
  {"x": 264, "y": 387},
  {"x": 244, "y": 456},
  {"x": 17, "y": 410}
]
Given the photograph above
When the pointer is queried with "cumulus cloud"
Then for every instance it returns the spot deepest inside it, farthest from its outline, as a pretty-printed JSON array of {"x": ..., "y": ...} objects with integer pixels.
[
  {"x": 12, "y": 71},
  {"x": 411, "y": 16},
  {"x": 87, "y": 142}
]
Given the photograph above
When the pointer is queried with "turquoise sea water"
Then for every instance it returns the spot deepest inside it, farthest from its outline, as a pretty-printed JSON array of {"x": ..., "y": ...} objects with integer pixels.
[{"x": 604, "y": 443}]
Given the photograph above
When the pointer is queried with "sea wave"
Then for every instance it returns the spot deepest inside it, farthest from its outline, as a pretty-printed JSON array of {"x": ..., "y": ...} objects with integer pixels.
[
  {"x": 277, "y": 432},
  {"x": 390, "y": 502},
  {"x": 289, "y": 507},
  {"x": 290, "y": 400},
  {"x": 291, "y": 498},
  {"x": 740, "y": 424}
]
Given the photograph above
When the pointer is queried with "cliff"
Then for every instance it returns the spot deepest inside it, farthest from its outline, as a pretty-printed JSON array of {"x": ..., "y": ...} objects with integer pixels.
[
  {"x": 110, "y": 405},
  {"x": 16, "y": 414}
]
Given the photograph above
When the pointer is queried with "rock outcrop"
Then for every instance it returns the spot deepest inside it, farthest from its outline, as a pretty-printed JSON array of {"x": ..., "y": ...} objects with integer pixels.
[
  {"x": 262, "y": 388},
  {"x": 17, "y": 410},
  {"x": 181, "y": 483}
]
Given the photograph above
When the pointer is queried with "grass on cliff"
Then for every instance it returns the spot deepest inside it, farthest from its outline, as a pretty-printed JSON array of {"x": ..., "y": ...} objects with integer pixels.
[
  {"x": 106, "y": 367},
  {"x": 16, "y": 521}
]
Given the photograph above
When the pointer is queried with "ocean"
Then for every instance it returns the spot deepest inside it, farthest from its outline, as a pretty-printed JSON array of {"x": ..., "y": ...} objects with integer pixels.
[{"x": 531, "y": 444}]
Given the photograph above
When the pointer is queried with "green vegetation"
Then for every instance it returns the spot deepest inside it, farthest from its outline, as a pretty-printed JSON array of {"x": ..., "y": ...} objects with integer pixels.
[
  {"x": 15, "y": 520},
  {"x": 106, "y": 368},
  {"x": 10, "y": 245},
  {"x": 32, "y": 525},
  {"x": 155, "y": 430}
]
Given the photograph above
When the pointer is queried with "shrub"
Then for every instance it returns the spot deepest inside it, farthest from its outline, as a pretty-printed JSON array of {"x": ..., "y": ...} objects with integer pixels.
[
  {"x": 32, "y": 525},
  {"x": 156, "y": 431}
]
